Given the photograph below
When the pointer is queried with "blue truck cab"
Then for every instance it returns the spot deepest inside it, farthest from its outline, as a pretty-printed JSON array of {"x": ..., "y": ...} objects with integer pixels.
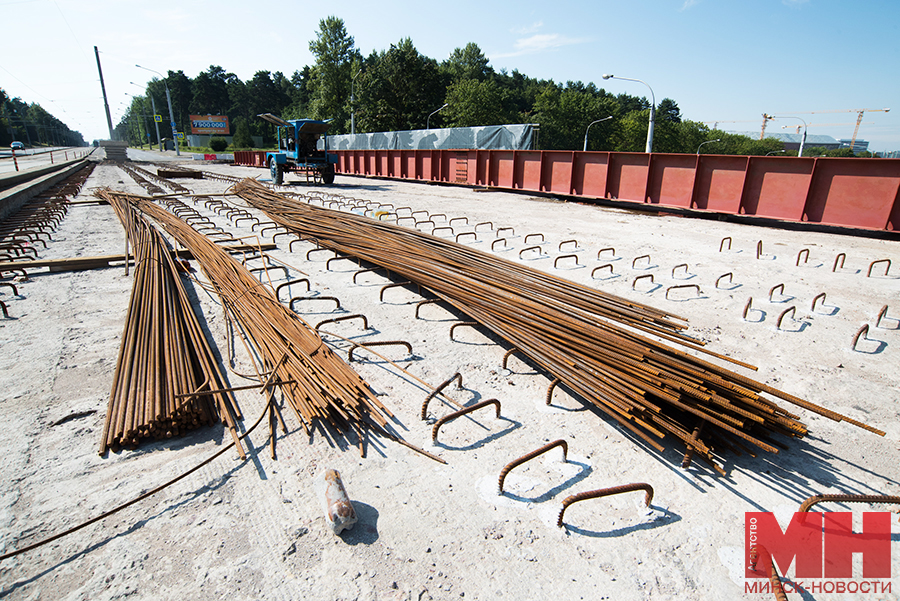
[{"x": 298, "y": 149}]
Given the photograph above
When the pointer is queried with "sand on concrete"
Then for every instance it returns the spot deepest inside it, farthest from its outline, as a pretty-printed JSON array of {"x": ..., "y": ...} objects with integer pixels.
[{"x": 254, "y": 529}]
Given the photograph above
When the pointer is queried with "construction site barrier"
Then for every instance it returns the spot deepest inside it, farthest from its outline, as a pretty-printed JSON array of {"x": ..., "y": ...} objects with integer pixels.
[{"x": 845, "y": 192}]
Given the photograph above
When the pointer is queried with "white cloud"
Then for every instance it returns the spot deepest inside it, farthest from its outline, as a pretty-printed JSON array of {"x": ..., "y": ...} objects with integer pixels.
[
  {"x": 533, "y": 28},
  {"x": 688, "y": 3},
  {"x": 541, "y": 42}
]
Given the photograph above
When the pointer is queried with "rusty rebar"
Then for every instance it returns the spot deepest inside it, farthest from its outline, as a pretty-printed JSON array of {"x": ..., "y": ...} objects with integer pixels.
[
  {"x": 460, "y": 413},
  {"x": 636, "y": 259},
  {"x": 840, "y": 257},
  {"x": 528, "y": 457},
  {"x": 774, "y": 579},
  {"x": 844, "y": 498},
  {"x": 863, "y": 331},
  {"x": 526, "y": 249},
  {"x": 878, "y": 262},
  {"x": 631, "y": 361},
  {"x": 605, "y": 492},
  {"x": 881, "y": 315},
  {"x": 603, "y": 250},
  {"x": 683, "y": 287},
  {"x": 470, "y": 324},
  {"x": 722, "y": 243},
  {"x": 556, "y": 260},
  {"x": 366, "y": 346},
  {"x": 550, "y": 389},
  {"x": 800, "y": 254},
  {"x": 791, "y": 310},
  {"x": 604, "y": 266},
  {"x": 289, "y": 282},
  {"x": 641, "y": 277},
  {"x": 334, "y": 299},
  {"x": 507, "y": 355},
  {"x": 779, "y": 287},
  {"x": 345, "y": 318},
  {"x": 440, "y": 387},
  {"x": 728, "y": 275},
  {"x": 816, "y": 299},
  {"x": 393, "y": 285},
  {"x": 527, "y": 236}
]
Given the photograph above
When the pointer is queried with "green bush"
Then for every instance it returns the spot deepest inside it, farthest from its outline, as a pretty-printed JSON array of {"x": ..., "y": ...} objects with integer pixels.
[{"x": 218, "y": 144}]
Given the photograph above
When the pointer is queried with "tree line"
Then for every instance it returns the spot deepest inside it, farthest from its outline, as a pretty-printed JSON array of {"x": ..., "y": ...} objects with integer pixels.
[
  {"x": 401, "y": 89},
  {"x": 32, "y": 125}
]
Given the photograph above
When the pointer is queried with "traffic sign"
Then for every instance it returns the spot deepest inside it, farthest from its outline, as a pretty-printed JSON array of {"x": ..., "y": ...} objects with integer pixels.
[
  {"x": 179, "y": 135},
  {"x": 157, "y": 118}
]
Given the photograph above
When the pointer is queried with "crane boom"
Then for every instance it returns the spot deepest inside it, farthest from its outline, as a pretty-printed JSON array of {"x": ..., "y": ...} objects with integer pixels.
[{"x": 859, "y": 118}]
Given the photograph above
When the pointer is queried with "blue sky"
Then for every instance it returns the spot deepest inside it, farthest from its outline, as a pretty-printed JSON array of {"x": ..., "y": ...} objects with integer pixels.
[{"x": 720, "y": 60}]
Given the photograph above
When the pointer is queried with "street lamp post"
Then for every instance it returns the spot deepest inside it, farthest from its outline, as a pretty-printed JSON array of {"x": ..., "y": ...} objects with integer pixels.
[
  {"x": 589, "y": 129},
  {"x": 353, "y": 104},
  {"x": 155, "y": 122},
  {"x": 428, "y": 120},
  {"x": 649, "y": 148},
  {"x": 171, "y": 113},
  {"x": 707, "y": 142},
  {"x": 803, "y": 139}
]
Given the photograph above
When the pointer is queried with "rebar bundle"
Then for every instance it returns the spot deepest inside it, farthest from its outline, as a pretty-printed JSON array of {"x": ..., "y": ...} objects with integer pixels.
[
  {"x": 317, "y": 383},
  {"x": 610, "y": 351},
  {"x": 164, "y": 355}
]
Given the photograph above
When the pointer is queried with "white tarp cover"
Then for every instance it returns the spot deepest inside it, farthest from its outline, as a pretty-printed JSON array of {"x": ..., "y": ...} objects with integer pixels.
[{"x": 490, "y": 137}]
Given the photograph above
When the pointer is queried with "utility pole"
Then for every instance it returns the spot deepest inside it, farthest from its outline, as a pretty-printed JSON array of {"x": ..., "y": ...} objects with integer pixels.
[
  {"x": 155, "y": 122},
  {"x": 103, "y": 87}
]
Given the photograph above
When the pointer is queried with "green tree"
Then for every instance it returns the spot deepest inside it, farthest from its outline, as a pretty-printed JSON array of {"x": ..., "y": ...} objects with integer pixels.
[
  {"x": 467, "y": 63},
  {"x": 209, "y": 92},
  {"x": 565, "y": 113},
  {"x": 242, "y": 139},
  {"x": 472, "y": 103},
  {"x": 334, "y": 51},
  {"x": 399, "y": 88}
]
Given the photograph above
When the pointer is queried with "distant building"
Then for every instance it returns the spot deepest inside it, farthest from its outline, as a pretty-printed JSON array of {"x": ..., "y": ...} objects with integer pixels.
[
  {"x": 792, "y": 141},
  {"x": 858, "y": 146}
]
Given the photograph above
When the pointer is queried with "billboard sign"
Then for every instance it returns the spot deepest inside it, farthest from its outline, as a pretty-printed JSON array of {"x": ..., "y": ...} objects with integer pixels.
[{"x": 209, "y": 124}]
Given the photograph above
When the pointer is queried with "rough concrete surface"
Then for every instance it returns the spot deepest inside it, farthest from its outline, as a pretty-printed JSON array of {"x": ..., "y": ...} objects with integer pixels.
[{"x": 254, "y": 529}]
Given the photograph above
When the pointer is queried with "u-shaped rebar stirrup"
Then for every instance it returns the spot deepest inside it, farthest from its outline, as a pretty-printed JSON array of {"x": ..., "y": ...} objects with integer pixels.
[
  {"x": 604, "y": 492},
  {"x": 556, "y": 443}
]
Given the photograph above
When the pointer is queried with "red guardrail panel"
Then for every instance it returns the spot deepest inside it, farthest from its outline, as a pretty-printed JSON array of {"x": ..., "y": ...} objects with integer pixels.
[
  {"x": 719, "y": 183},
  {"x": 777, "y": 188},
  {"x": 589, "y": 174},
  {"x": 528, "y": 170},
  {"x": 860, "y": 193},
  {"x": 502, "y": 169},
  {"x": 672, "y": 179},
  {"x": 556, "y": 171},
  {"x": 627, "y": 179},
  {"x": 855, "y": 194}
]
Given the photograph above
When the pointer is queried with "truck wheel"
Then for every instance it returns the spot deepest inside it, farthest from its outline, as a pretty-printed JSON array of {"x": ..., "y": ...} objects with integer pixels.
[
  {"x": 328, "y": 175},
  {"x": 277, "y": 172}
]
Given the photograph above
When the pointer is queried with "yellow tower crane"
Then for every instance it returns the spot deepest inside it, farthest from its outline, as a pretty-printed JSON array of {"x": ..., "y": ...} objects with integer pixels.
[{"x": 859, "y": 118}]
